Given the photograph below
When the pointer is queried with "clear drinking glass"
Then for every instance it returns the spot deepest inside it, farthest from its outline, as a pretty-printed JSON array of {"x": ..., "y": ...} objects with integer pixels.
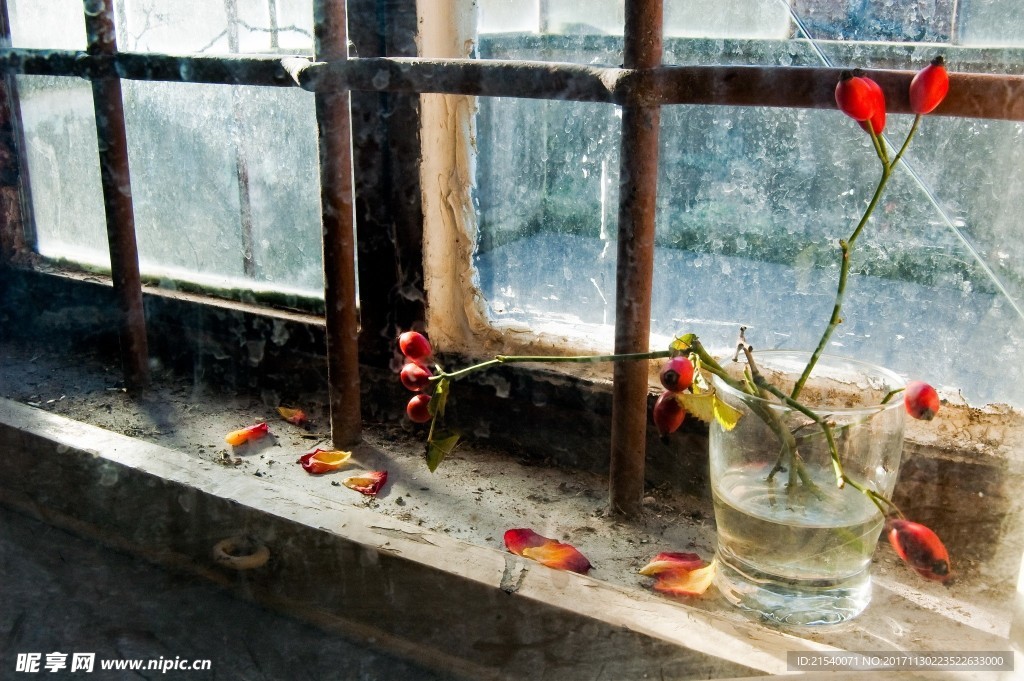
[{"x": 793, "y": 547}]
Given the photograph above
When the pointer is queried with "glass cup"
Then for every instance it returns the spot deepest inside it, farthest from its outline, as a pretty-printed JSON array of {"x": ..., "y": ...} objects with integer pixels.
[{"x": 793, "y": 547}]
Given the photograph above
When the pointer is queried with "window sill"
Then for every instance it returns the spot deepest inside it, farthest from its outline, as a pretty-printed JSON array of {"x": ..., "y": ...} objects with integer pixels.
[{"x": 421, "y": 571}]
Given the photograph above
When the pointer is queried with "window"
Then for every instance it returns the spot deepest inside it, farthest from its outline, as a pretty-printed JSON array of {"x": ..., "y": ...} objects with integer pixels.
[
  {"x": 514, "y": 244},
  {"x": 752, "y": 201}
]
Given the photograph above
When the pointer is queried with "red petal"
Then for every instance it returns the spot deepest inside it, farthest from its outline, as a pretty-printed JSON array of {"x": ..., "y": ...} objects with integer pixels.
[
  {"x": 663, "y": 562},
  {"x": 368, "y": 484},
  {"x": 243, "y": 435},
  {"x": 324, "y": 460},
  {"x": 549, "y": 552},
  {"x": 682, "y": 582},
  {"x": 518, "y": 539}
]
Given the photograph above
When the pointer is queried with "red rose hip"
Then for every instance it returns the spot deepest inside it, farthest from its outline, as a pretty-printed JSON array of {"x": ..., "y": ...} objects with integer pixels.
[
  {"x": 929, "y": 87},
  {"x": 677, "y": 374},
  {"x": 414, "y": 345},
  {"x": 920, "y": 548},
  {"x": 418, "y": 409},
  {"x": 415, "y": 376},
  {"x": 854, "y": 97},
  {"x": 668, "y": 413},
  {"x": 921, "y": 400}
]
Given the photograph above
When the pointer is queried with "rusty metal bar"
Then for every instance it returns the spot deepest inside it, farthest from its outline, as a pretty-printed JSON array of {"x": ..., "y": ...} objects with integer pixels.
[
  {"x": 638, "y": 187},
  {"x": 334, "y": 123},
  {"x": 972, "y": 95},
  {"x": 17, "y": 230},
  {"x": 117, "y": 199}
]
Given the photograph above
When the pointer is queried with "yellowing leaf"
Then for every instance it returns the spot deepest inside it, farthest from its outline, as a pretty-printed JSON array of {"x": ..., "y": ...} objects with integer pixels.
[
  {"x": 699, "y": 405},
  {"x": 726, "y": 415},
  {"x": 682, "y": 343}
]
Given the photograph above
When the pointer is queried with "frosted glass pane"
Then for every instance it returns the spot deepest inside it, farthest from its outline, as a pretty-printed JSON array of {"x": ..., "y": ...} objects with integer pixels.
[
  {"x": 189, "y": 145},
  {"x": 54, "y": 24},
  {"x": 203, "y": 26},
  {"x": 991, "y": 22},
  {"x": 63, "y": 162},
  {"x": 752, "y": 204}
]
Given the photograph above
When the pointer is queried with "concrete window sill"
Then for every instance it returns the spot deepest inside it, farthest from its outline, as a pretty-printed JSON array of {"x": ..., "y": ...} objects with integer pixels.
[{"x": 421, "y": 571}]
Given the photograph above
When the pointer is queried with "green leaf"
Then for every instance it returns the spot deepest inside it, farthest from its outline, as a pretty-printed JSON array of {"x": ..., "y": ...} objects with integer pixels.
[
  {"x": 439, "y": 398},
  {"x": 707, "y": 407},
  {"x": 437, "y": 450},
  {"x": 682, "y": 343}
]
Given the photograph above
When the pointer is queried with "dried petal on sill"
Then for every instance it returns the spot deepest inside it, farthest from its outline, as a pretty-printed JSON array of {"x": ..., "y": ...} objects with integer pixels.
[
  {"x": 244, "y": 435},
  {"x": 670, "y": 560},
  {"x": 368, "y": 484},
  {"x": 549, "y": 552},
  {"x": 324, "y": 460},
  {"x": 680, "y": 574},
  {"x": 294, "y": 416},
  {"x": 686, "y": 582}
]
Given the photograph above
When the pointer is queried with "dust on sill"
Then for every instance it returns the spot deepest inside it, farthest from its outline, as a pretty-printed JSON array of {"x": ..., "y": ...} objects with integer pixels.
[{"x": 478, "y": 493}]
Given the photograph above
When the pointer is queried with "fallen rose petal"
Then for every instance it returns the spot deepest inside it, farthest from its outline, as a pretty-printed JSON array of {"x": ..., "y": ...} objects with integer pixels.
[
  {"x": 518, "y": 539},
  {"x": 670, "y": 560},
  {"x": 293, "y": 416},
  {"x": 560, "y": 556},
  {"x": 554, "y": 554},
  {"x": 682, "y": 582},
  {"x": 368, "y": 484},
  {"x": 324, "y": 460},
  {"x": 243, "y": 435}
]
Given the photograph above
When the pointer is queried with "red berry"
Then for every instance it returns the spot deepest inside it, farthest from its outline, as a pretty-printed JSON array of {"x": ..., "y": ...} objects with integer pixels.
[
  {"x": 414, "y": 345},
  {"x": 417, "y": 410},
  {"x": 677, "y": 374},
  {"x": 854, "y": 97},
  {"x": 921, "y": 400},
  {"x": 929, "y": 87},
  {"x": 920, "y": 548},
  {"x": 415, "y": 376},
  {"x": 668, "y": 413},
  {"x": 878, "y": 117}
]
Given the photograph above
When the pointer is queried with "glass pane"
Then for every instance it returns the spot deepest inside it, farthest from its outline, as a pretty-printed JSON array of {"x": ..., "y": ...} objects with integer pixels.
[
  {"x": 63, "y": 162},
  {"x": 753, "y": 202},
  {"x": 217, "y": 171},
  {"x": 52, "y": 24},
  {"x": 200, "y": 26}
]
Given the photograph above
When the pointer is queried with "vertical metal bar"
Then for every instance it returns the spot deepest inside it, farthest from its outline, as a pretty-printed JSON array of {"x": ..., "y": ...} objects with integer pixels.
[
  {"x": 17, "y": 229},
  {"x": 117, "y": 198},
  {"x": 335, "y": 128},
  {"x": 638, "y": 178}
]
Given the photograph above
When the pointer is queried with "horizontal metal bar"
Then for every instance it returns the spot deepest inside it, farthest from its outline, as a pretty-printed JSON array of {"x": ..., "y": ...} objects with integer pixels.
[
  {"x": 972, "y": 95},
  {"x": 220, "y": 70}
]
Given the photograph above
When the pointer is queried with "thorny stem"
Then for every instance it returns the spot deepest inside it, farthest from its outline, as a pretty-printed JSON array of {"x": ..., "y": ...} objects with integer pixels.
[
  {"x": 578, "y": 359},
  {"x": 847, "y": 249}
]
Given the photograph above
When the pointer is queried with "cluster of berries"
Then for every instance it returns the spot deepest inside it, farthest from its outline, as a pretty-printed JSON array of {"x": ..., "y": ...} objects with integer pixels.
[
  {"x": 676, "y": 376},
  {"x": 861, "y": 98},
  {"x": 415, "y": 374}
]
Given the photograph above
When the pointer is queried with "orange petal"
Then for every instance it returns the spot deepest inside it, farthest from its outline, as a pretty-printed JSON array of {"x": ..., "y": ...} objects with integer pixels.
[
  {"x": 671, "y": 560},
  {"x": 324, "y": 460},
  {"x": 554, "y": 554},
  {"x": 243, "y": 435},
  {"x": 682, "y": 582},
  {"x": 294, "y": 416},
  {"x": 368, "y": 484}
]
